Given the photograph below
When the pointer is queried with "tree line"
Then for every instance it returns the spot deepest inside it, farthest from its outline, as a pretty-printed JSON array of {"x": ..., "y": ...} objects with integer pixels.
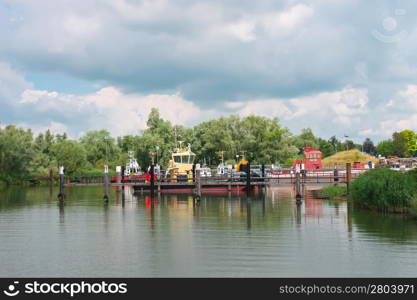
[{"x": 263, "y": 141}]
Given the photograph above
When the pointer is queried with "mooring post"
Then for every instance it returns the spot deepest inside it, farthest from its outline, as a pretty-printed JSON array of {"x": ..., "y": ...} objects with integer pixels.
[
  {"x": 335, "y": 174},
  {"x": 118, "y": 175},
  {"x": 106, "y": 182},
  {"x": 51, "y": 177},
  {"x": 263, "y": 170},
  {"x": 122, "y": 180},
  {"x": 152, "y": 173},
  {"x": 298, "y": 186},
  {"x": 248, "y": 185},
  {"x": 61, "y": 194},
  {"x": 193, "y": 172},
  {"x": 348, "y": 175},
  {"x": 198, "y": 182}
]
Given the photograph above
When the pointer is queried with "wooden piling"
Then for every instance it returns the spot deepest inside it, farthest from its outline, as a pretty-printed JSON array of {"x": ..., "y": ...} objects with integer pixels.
[
  {"x": 122, "y": 180},
  {"x": 248, "y": 185},
  {"x": 106, "y": 182},
  {"x": 152, "y": 179},
  {"x": 298, "y": 186},
  {"x": 336, "y": 175},
  {"x": 348, "y": 175},
  {"x": 61, "y": 194},
  {"x": 118, "y": 174},
  {"x": 198, "y": 182}
]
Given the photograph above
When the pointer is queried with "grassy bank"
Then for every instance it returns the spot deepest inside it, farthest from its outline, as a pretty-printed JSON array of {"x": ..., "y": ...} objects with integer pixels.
[
  {"x": 385, "y": 190},
  {"x": 334, "y": 192},
  {"x": 343, "y": 157}
]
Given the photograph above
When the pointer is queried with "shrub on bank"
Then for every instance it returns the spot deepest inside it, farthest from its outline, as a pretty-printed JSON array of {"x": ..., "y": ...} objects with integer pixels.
[
  {"x": 384, "y": 189},
  {"x": 333, "y": 191},
  {"x": 413, "y": 175}
]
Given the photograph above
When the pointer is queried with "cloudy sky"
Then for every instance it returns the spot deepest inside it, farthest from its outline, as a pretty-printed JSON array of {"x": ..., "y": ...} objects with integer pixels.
[{"x": 336, "y": 66}]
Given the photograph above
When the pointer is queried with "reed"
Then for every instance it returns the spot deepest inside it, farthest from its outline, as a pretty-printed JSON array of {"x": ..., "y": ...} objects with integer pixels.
[
  {"x": 334, "y": 191},
  {"x": 384, "y": 190}
]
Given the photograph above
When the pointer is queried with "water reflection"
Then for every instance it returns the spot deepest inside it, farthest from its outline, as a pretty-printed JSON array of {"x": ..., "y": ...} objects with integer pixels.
[
  {"x": 231, "y": 234},
  {"x": 392, "y": 228}
]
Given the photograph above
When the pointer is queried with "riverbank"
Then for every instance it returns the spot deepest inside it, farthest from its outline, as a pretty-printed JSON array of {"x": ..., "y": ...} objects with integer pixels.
[{"x": 381, "y": 190}]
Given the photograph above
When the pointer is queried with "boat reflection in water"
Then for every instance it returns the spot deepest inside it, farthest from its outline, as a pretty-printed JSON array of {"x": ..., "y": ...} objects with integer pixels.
[{"x": 262, "y": 234}]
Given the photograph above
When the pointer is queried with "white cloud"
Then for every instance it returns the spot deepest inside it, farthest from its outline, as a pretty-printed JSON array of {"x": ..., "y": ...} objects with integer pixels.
[
  {"x": 324, "y": 112},
  {"x": 284, "y": 22},
  {"x": 54, "y": 127},
  {"x": 12, "y": 83},
  {"x": 108, "y": 108},
  {"x": 242, "y": 30}
]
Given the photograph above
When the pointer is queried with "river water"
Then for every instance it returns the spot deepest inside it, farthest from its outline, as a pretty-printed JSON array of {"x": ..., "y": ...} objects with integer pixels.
[{"x": 267, "y": 235}]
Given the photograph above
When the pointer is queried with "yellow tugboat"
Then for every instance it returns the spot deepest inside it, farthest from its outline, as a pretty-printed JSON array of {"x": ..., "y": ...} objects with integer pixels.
[
  {"x": 181, "y": 164},
  {"x": 242, "y": 165}
]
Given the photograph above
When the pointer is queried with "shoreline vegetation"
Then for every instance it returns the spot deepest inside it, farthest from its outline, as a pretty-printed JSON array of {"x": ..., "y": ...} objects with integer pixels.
[
  {"x": 332, "y": 192},
  {"x": 24, "y": 158},
  {"x": 382, "y": 190}
]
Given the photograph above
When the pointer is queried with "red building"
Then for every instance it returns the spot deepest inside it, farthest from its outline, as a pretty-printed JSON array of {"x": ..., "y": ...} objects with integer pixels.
[{"x": 312, "y": 159}]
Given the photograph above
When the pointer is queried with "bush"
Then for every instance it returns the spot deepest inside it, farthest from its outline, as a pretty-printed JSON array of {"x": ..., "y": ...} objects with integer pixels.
[
  {"x": 333, "y": 191},
  {"x": 384, "y": 189},
  {"x": 413, "y": 175}
]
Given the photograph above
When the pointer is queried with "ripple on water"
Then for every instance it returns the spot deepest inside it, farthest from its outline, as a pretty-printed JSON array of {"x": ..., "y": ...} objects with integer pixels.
[{"x": 223, "y": 237}]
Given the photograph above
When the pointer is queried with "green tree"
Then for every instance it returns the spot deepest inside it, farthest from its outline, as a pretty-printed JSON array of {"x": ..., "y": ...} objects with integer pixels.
[
  {"x": 306, "y": 138},
  {"x": 158, "y": 139},
  {"x": 337, "y": 144},
  {"x": 410, "y": 142},
  {"x": 16, "y": 153},
  {"x": 326, "y": 147},
  {"x": 101, "y": 148},
  {"x": 368, "y": 146},
  {"x": 385, "y": 148},
  {"x": 42, "y": 160},
  {"x": 400, "y": 144},
  {"x": 71, "y": 155}
]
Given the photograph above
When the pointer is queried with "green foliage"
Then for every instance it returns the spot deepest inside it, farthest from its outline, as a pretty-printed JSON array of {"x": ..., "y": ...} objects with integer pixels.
[
  {"x": 262, "y": 140},
  {"x": 16, "y": 153},
  {"x": 385, "y": 148},
  {"x": 326, "y": 147},
  {"x": 402, "y": 144},
  {"x": 413, "y": 175},
  {"x": 100, "y": 148},
  {"x": 306, "y": 138},
  {"x": 334, "y": 191},
  {"x": 71, "y": 155},
  {"x": 410, "y": 138},
  {"x": 383, "y": 189},
  {"x": 368, "y": 146}
]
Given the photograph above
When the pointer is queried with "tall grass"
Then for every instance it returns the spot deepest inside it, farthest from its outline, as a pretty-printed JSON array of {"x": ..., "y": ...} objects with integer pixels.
[
  {"x": 384, "y": 189},
  {"x": 332, "y": 191}
]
